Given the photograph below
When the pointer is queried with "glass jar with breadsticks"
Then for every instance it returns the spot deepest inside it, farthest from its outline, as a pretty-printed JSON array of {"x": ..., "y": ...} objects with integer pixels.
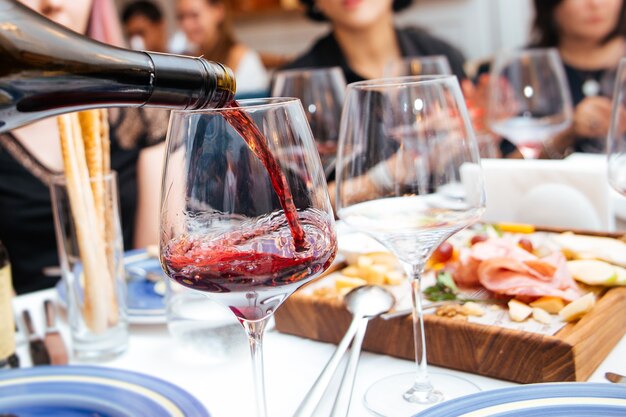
[{"x": 89, "y": 238}]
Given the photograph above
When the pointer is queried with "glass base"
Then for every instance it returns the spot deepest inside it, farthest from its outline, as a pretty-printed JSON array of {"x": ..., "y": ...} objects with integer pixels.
[
  {"x": 89, "y": 347},
  {"x": 400, "y": 396}
]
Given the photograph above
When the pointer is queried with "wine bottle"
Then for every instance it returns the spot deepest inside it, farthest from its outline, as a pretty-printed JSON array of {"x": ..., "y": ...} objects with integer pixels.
[
  {"x": 47, "y": 69},
  {"x": 8, "y": 357}
]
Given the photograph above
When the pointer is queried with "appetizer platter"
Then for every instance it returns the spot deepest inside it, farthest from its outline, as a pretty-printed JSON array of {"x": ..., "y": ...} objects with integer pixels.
[{"x": 508, "y": 301}]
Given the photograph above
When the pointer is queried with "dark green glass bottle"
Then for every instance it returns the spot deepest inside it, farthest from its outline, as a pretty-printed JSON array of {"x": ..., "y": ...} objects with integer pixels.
[{"x": 47, "y": 69}]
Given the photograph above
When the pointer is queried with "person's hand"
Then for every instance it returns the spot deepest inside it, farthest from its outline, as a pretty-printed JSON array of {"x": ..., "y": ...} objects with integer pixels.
[
  {"x": 592, "y": 117},
  {"x": 476, "y": 97}
]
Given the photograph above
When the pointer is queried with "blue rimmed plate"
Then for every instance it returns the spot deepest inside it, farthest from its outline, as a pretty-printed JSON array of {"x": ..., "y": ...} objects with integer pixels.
[
  {"x": 144, "y": 304},
  {"x": 571, "y": 399},
  {"x": 88, "y": 391}
]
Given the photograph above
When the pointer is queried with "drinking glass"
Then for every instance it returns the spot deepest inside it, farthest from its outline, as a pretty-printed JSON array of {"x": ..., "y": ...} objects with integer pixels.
[
  {"x": 321, "y": 91},
  {"x": 418, "y": 65},
  {"x": 409, "y": 175},
  {"x": 616, "y": 140},
  {"x": 529, "y": 101},
  {"x": 239, "y": 224},
  {"x": 89, "y": 242}
]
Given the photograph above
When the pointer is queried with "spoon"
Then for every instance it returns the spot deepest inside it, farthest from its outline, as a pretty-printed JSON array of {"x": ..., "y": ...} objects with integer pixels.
[
  {"x": 615, "y": 378},
  {"x": 381, "y": 304},
  {"x": 364, "y": 303}
]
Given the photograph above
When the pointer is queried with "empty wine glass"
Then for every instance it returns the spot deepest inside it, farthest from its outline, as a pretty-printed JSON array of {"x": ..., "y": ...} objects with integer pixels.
[
  {"x": 529, "y": 101},
  {"x": 418, "y": 65},
  {"x": 616, "y": 140},
  {"x": 321, "y": 91},
  {"x": 408, "y": 174},
  {"x": 236, "y": 222}
]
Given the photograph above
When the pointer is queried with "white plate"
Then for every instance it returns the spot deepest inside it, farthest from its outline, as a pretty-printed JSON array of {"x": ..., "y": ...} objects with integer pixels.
[{"x": 573, "y": 399}]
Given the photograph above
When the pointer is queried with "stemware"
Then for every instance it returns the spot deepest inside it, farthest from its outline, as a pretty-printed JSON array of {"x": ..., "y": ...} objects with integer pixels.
[
  {"x": 239, "y": 224},
  {"x": 321, "y": 91},
  {"x": 418, "y": 65},
  {"x": 408, "y": 174},
  {"x": 616, "y": 138},
  {"x": 529, "y": 101}
]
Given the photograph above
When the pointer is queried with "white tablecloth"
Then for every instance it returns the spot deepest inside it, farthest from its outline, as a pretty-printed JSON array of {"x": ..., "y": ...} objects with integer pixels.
[{"x": 291, "y": 365}]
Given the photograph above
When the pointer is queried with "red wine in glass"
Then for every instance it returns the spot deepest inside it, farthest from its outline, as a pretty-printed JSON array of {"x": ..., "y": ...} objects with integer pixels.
[
  {"x": 259, "y": 259},
  {"x": 248, "y": 130}
]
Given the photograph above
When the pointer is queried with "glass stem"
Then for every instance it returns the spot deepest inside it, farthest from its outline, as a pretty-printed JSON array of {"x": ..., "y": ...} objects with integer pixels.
[
  {"x": 255, "y": 330},
  {"x": 422, "y": 390}
]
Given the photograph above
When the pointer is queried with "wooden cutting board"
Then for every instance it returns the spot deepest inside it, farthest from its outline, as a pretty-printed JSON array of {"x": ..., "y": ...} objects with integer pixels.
[{"x": 571, "y": 355}]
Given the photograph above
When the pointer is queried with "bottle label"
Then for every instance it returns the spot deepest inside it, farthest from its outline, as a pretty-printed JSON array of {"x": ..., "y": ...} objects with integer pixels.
[{"x": 7, "y": 326}]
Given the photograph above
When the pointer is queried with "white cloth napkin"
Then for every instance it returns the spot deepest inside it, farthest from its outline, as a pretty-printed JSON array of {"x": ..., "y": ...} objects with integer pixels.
[{"x": 567, "y": 194}]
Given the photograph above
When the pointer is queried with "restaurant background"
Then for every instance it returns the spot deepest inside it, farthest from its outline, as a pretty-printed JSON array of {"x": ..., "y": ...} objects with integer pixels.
[{"x": 478, "y": 27}]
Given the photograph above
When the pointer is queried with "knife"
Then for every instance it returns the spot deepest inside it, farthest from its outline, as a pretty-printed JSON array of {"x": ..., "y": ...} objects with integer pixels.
[
  {"x": 52, "y": 338},
  {"x": 615, "y": 378},
  {"x": 38, "y": 352}
]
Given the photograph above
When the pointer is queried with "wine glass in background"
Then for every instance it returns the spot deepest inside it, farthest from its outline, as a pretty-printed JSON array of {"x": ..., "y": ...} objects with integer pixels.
[
  {"x": 321, "y": 91},
  {"x": 616, "y": 139},
  {"x": 529, "y": 101},
  {"x": 409, "y": 175},
  {"x": 439, "y": 65},
  {"x": 236, "y": 222},
  {"x": 418, "y": 65}
]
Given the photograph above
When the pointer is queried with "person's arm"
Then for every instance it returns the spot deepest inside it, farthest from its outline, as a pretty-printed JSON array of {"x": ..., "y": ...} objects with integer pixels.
[
  {"x": 149, "y": 171},
  {"x": 558, "y": 146}
]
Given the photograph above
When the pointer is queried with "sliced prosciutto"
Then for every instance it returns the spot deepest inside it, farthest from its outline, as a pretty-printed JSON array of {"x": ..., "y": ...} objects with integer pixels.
[
  {"x": 466, "y": 271},
  {"x": 527, "y": 280},
  {"x": 502, "y": 267}
]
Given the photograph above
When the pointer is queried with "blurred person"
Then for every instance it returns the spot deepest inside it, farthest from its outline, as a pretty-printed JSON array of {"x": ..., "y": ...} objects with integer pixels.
[
  {"x": 206, "y": 23},
  {"x": 31, "y": 156},
  {"x": 363, "y": 39},
  {"x": 590, "y": 36},
  {"x": 145, "y": 27}
]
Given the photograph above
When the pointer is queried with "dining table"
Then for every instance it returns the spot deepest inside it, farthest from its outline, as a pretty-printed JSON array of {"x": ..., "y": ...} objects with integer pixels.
[{"x": 223, "y": 384}]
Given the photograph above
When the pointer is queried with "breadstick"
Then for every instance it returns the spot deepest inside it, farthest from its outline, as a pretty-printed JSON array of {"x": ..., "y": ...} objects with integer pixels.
[
  {"x": 91, "y": 137},
  {"x": 106, "y": 141},
  {"x": 111, "y": 233},
  {"x": 98, "y": 288}
]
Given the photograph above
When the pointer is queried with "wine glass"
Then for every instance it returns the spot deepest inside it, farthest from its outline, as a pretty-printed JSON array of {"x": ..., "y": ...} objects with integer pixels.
[
  {"x": 239, "y": 224},
  {"x": 529, "y": 101},
  {"x": 418, "y": 65},
  {"x": 409, "y": 175},
  {"x": 321, "y": 91},
  {"x": 616, "y": 140}
]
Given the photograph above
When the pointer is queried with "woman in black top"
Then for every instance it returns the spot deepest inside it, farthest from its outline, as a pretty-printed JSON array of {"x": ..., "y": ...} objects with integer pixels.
[
  {"x": 364, "y": 39},
  {"x": 591, "y": 38},
  {"x": 30, "y": 156}
]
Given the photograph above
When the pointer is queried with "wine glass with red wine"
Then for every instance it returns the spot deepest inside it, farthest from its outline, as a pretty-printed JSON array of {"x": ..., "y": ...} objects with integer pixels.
[
  {"x": 239, "y": 224},
  {"x": 409, "y": 175}
]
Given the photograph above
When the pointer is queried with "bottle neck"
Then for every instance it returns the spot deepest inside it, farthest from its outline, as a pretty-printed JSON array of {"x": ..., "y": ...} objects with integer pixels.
[{"x": 189, "y": 83}]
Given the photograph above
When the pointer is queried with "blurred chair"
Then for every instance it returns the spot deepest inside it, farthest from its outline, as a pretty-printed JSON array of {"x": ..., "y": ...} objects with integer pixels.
[{"x": 548, "y": 193}]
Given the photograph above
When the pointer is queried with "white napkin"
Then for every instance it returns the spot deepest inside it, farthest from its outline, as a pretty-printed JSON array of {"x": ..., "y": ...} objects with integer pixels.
[{"x": 567, "y": 194}]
